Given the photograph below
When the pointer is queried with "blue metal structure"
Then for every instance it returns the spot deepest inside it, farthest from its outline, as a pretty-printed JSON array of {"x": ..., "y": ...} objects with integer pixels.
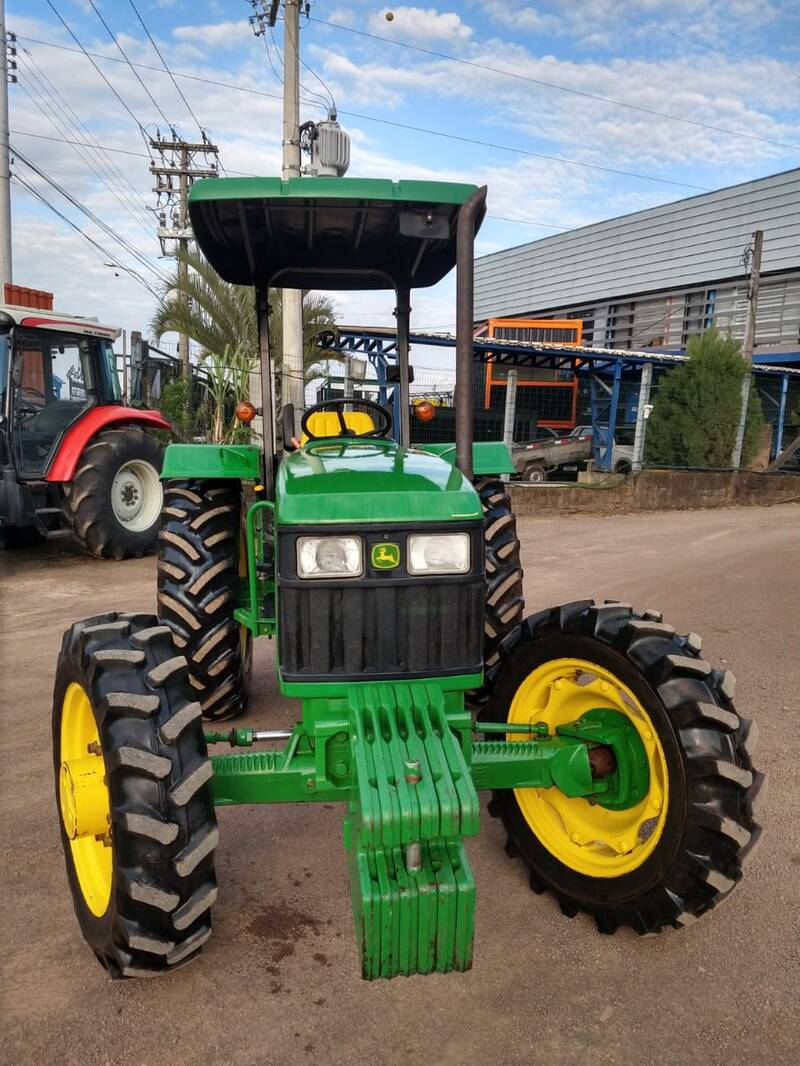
[{"x": 379, "y": 345}]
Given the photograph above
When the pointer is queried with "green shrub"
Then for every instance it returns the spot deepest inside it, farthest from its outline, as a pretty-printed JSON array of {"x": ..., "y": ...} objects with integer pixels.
[
  {"x": 174, "y": 406},
  {"x": 696, "y": 408}
]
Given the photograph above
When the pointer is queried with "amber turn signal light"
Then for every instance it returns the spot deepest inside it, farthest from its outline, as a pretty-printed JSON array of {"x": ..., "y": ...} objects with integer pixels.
[
  {"x": 424, "y": 411},
  {"x": 245, "y": 411}
]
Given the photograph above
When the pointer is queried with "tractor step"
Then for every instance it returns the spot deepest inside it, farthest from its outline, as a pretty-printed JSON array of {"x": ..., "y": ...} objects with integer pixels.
[{"x": 412, "y": 887}]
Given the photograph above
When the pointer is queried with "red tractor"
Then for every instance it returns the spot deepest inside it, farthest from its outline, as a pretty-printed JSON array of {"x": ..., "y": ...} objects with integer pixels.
[{"x": 72, "y": 455}]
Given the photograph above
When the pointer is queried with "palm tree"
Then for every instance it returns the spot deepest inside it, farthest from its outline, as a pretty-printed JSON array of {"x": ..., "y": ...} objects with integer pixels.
[{"x": 221, "y": 318}]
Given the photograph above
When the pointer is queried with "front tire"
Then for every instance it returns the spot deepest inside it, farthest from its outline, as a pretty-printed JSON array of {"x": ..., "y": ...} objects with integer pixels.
[
  {"x": 131, "y": 772},
  {"x": 504, "y": 597},
  {"x": 681, "y": 851},
  {"x": 113, "y": 503},
  {"x": 199, "y": 565}
]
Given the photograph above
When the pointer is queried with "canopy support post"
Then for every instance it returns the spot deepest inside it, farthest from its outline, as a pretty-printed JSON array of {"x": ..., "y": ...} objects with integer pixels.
[
  {"x": 267, "y": 402},
  {"x": 403, "y": 316},
  {"x": 465, "y": 285}
]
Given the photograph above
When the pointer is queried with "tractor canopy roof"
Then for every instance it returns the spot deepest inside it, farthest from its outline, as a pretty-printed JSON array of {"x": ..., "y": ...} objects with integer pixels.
[{"x": 328, "y": 233}]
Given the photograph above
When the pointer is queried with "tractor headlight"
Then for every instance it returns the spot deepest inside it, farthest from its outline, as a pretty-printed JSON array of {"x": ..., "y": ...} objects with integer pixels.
[
  {"x": 329, "y": 557},
  {"x": 438, "y": 553}
]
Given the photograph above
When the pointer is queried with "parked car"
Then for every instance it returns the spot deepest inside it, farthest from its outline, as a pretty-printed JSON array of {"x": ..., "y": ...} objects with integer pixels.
[{"x": 622, "y": 453}]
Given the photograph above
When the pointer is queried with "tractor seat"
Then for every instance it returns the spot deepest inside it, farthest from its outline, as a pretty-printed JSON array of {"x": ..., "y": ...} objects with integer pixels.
[{"x": 326, "y": 424}]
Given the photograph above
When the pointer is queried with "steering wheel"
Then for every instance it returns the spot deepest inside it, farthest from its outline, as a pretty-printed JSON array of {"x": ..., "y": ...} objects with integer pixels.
[
  {"x": 382, "y": 427},
  {"x": 31, "y": 404}
]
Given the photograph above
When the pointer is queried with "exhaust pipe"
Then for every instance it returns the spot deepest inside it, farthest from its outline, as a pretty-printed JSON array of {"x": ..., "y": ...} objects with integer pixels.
[{"x": 471, "y": 212}]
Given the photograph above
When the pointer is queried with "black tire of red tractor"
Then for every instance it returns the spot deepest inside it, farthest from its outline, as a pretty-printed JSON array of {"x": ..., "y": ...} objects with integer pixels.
[
  {"x": 198, "y": 590},
  {"x": 163, "y": 826},
  {"x": 86, "y": 500},
  {"x": 505, "y": 603},
  {"x": 715, "y": 793}
]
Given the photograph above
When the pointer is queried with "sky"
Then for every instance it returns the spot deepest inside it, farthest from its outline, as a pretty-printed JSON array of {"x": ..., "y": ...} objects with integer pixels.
[{"x": 570, "y": 113}]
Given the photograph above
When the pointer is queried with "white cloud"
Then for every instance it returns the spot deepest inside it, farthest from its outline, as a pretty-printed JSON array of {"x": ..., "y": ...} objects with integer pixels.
[
  {"x": 424, "y": 24},
  {"x": 523, "y": 19},
  {"x": 214, "y": 35},
  {"x": 754, "y": 95}
]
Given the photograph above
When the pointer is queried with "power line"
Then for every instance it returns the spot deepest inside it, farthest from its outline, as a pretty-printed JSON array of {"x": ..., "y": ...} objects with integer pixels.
[
  {"x": 109, "y": 230},
  {"x": 17, "y": 180},
  {"x": 397, "y": 125},
  {"x": 259, "y": 24},
  {"x": 526, "y": 152},
  {"x": 186, "y": 103},
  {"x": 329, "y": 100},
  {"x": 135, "y": 72},
  {"x": 85, "y": 158},
  {"x": 79, "y": 125},
  {"x": 90, "y": 57},
  {"x": 552, "y": 85},
  {"x": 245, "y": 174},
  {"x": 58, "y": 117}
]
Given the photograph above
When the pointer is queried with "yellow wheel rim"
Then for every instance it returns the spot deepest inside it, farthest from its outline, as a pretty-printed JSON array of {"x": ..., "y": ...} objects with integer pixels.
[
  {"x": 585, "y": 836},
  {"x": 84, "y": 801}
]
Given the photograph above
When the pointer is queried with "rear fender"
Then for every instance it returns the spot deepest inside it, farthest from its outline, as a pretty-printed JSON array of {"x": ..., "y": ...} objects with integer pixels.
[{"x": 77, "y": 437}]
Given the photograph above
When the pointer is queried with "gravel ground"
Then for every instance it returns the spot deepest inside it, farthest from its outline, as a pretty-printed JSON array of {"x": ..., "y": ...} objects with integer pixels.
[{"x": 278, "y": 981}]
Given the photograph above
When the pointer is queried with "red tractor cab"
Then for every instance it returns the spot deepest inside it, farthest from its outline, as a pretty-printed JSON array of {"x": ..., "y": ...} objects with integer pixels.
[{"x": 73, "y": 457}]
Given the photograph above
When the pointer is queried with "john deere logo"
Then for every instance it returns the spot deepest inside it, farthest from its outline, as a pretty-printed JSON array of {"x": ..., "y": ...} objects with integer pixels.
[{"x": 385, "y": 556}]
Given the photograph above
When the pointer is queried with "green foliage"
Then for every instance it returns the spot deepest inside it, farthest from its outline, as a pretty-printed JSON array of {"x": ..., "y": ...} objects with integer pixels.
[
  {"x": 696, "y": 408},
  {"x": 173, "y": 404},
  {"x": 189, "y": 420},
  {"x": 228, "y": 384}
]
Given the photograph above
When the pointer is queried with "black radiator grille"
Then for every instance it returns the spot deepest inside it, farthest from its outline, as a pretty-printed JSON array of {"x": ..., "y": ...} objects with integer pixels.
[{"x": 358, "y": 633}]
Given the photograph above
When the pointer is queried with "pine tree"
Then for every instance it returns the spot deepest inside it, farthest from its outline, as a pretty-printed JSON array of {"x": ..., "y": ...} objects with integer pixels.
[{"x": 696, "y": 408}]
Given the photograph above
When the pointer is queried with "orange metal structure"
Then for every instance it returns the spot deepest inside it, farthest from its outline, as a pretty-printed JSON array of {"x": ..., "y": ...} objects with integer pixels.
[{"x": 564, "y": 332}]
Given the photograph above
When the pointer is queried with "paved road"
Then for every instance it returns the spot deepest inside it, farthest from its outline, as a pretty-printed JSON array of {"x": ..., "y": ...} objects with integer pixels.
[{"x": 277, "y": 983}]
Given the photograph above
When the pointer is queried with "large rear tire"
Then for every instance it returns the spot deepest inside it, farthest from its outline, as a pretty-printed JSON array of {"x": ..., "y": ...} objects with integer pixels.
[
  {"x": 113, "y": 503},
  {"x": 505, "y": 602},
  {"x": 679, "y": 852},
  {"x": 131, "y": 774},
  {"x": 198, "y": 590}
]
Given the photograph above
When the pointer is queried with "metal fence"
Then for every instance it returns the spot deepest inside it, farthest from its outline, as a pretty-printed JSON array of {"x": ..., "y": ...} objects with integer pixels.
[{"x": 704, "y": 437}]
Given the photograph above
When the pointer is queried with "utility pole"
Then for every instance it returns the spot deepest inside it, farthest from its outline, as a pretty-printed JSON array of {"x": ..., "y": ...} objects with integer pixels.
[
  {"x": 6, "y": 45},
  {"x": 179, "y": 160},
  {"x": 510, "y": 413},
  {"x": 183, "y": 248},
  {"x": 749, "y": 341},
  {"x": 292, "y": 372}
]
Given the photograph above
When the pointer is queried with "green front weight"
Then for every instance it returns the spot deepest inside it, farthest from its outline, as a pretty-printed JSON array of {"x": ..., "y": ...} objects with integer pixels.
[{"x": 401, "y": 757}]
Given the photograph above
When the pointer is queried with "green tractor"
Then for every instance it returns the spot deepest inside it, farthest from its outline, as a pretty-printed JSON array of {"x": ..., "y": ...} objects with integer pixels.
[{"x": 388, "y": 576}]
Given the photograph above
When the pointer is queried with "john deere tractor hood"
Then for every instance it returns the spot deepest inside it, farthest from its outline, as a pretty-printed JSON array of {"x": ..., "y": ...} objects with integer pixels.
[{"x": 371, "y": 481}]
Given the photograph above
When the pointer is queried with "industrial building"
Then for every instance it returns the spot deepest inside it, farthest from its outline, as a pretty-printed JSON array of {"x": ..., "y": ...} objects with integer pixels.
[{"x": 657, "y": 277}]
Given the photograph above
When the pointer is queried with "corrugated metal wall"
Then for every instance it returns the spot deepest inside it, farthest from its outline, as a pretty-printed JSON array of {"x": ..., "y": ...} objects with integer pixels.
[
  {"x": 670, "y": 318},
  {"x": 691, "y": 245}
]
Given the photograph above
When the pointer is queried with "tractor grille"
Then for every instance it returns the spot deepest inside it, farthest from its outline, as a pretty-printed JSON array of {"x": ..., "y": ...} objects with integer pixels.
[{"x": 363, "y": 633}]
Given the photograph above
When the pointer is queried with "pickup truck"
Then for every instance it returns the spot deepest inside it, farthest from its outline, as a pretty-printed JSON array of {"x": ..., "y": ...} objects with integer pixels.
[{"x": 534, "y": 460}]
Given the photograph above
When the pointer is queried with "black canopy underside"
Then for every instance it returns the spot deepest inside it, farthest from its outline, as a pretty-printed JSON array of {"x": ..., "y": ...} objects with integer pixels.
[{"x": 328, "y": 233}]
